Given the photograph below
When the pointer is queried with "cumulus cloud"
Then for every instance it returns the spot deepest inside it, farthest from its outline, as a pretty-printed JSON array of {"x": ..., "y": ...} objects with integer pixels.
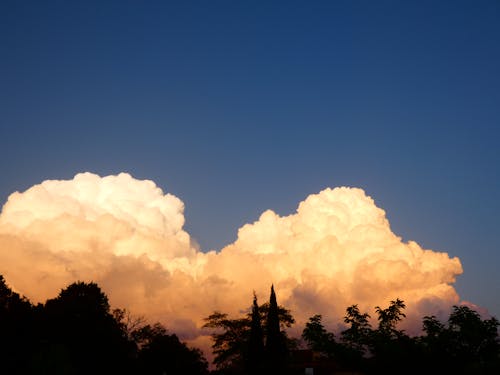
[{"x": 127, "y": 235}]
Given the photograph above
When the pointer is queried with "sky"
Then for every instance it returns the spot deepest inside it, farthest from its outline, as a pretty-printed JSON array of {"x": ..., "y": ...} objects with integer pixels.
[{"x": 240, "y": 107}]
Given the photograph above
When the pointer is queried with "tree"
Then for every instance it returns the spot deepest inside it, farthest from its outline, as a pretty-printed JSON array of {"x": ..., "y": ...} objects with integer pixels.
[
  {"x": 391, "y": 348},
  {"x": 17, "y": 337},
  {"x": 318, "y": 338},
  {"x": 79, "y": 326},
  {"x": 162, "y": 353},
  {"x": 388, "y": 318},
  {"x": 276, "y": 349},
  {"x": 231, "y": 337},
  {"x": 432, "y": 347},
  {"x": 432, "y": 327},
  {"x": 472, "y": 341},
  {"x": 466, "y": 345},
  {"x": 254, "y": 360},
  {"x": 357, "y": 336}
]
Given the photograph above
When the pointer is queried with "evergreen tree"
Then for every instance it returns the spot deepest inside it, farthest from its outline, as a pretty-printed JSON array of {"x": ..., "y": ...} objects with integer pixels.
[
  {"x": 255, "y": 355},
  {"x": 276, "y": 350},
  {"x": 231, "y": 337}
]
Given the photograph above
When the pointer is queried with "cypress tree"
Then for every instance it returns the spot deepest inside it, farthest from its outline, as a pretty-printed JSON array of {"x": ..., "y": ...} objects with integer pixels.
[
  {"x": 276, "y": 350},
  {"x": 256, "y": 341}
]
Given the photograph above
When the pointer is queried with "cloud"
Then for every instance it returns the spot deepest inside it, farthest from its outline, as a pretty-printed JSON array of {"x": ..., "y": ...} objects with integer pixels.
[{"x": 127, "y": 235}]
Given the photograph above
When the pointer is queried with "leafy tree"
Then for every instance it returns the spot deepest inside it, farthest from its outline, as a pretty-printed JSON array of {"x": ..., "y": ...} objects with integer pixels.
[
  {"x": 388, "y": 318},
  {"x": 16, "y": 330},
  {"x": 231, "y": 337},
  {"x": 128, "y": 323},
  {"x": 432, "y": 347},
  {"x": 318, "y": 338},
  {"x": 79, "y": 326},
  {"x": 357, "y": 336},
  {"x": 157, "y": 351},
  {"x": 161, "y": 353},
  {"x": 391, "y": 348},
  {"x": 432, "y": 327},
  {"x": 286, "y": 320},
  {"x": 466, "y": 345},
  {"x": 144, "y": 334},
  {"x": 472, "y": 341}
]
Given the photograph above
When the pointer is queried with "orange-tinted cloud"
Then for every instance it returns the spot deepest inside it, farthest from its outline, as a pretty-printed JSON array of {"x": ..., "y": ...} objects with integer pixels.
[{"x": 127, "y": 235}]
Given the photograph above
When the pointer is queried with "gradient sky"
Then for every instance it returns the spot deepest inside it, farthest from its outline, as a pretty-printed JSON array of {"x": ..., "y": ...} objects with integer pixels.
[{"x": 236, "y": 107}]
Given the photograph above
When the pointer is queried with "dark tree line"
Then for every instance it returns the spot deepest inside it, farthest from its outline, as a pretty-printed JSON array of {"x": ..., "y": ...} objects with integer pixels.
[
  {"x": 77, "y": 333},
  {"x": 465, "y": 344}
]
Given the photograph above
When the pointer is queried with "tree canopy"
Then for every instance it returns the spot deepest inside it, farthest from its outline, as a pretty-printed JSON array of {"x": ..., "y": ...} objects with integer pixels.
[
  {"x": 77, "y": 333},
  {"x": 236, "y": 342}
]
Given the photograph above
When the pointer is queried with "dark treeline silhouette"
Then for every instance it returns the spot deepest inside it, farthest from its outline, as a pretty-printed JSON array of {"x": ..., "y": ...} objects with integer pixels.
[
  {"x": 466, "y": 344},
  {"x": 257, "y": 343},
  {"x": 77, "y": 333}
]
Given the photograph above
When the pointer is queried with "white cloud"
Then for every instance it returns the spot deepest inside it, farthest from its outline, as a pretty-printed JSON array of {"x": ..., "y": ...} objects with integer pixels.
[{"x": 127, "y": 235}]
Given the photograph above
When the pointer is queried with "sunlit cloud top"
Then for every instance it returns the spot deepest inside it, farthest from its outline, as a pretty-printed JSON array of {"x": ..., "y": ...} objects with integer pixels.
[{"x": 337, "y": 249}]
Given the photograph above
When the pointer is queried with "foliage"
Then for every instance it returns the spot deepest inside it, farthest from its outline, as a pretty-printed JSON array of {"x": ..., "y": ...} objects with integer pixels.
[
  {"x": 78, "y": 333},
  {"x": 389, "y": 317},
  {"x": 80, "y": 321},
  {"x": 16, "y": 329},
  {"x": 432, "y": 327},
  {"x": 162, "y": 353},
  {"x": 471, "y": 339},
  {"x": 357, "y": 336},
  {"x": 318, "y": 338},
  {"x": 391, "y": 348},
  {"x": 254, "y": 359},
  {"x": 231, "y": 337}
]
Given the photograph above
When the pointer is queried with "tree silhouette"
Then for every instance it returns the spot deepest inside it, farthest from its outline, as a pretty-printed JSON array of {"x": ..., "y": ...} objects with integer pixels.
[
  {"x": 432, "y": 327},
  {"x": 231, "y": 337},
  {"x": 77, "y": 333},
  {"x": 357, "y": 336},
  {"x": 16, "y": 330},
  {"x": 255, "y": 357},
  {"x": 433, "y": 351},
  {"x": 391, "y": 348},
  {"x": 472, "y": 342},
  {"x": 318, "y": 338},
  {"x": 80, "y": 327},
  {"x": 161, "y": 353},
  {"x": 276, "y": 349},
  {"x": 388, "y": 318}
]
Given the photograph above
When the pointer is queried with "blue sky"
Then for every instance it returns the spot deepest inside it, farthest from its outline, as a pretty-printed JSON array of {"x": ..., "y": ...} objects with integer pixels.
[{"x": 237, "y": 107}]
